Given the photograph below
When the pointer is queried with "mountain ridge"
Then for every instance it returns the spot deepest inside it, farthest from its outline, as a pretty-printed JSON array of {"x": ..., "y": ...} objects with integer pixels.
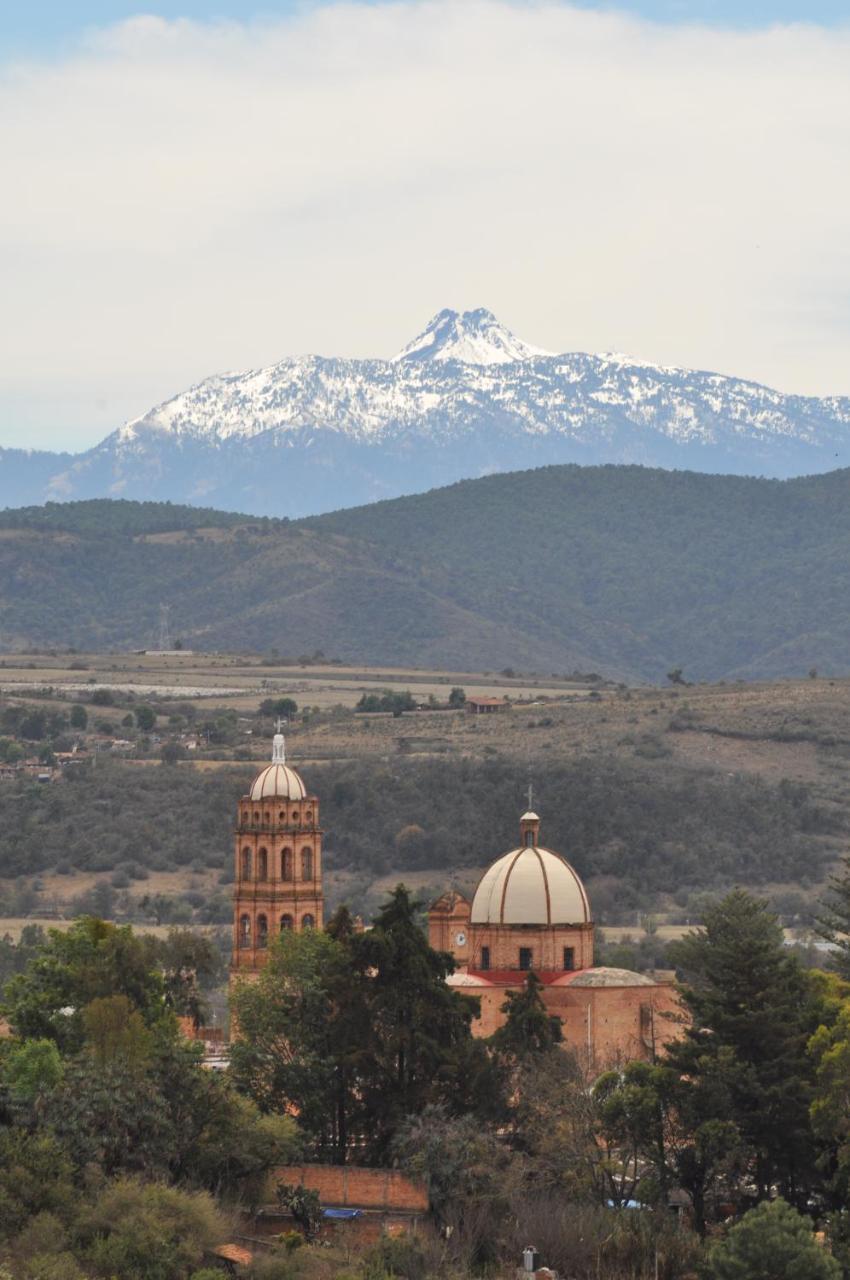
[
  {"x": 623, "y": 570},
  {"x": 466, "y": 397}
]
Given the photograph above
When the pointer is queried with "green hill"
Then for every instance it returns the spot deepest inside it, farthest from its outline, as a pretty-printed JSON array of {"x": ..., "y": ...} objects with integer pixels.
[{"x": 623, "y": 570}]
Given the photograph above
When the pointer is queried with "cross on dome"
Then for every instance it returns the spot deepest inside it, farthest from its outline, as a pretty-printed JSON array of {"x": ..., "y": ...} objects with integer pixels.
[{"x": 279, "y": 744}]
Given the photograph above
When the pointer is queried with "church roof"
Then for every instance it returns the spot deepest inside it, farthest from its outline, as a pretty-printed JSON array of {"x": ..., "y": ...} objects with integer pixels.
[
  {"x": 280, "y": 781},
  {"x": 530, "y": 885},
  {"x": 603, "y": 976}
]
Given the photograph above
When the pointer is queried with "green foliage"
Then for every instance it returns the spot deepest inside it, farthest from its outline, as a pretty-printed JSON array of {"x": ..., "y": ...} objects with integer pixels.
[
  {"x": 646, "y": 825},
  {"x": 771, "y": 1242},
  {"x": 78, "y": 716},
  {"x": 528, "y": 1029},
  {"x": 457, "y": 697},
  {"x": 32, "y": 1069},
  {"x": 284, "y": 707},
  {"x": 35, "y": 1177},
  {"x": 304, "y": 1205},
  {"x": 92, "y": 959},
  {"x": 145, "y": 718},
  {"x": 387, "y": 700},
  {"x": 744, "y": 1057},
  {"x": 148, "y": 1230},
  {"x": 400, "y": 1256}
]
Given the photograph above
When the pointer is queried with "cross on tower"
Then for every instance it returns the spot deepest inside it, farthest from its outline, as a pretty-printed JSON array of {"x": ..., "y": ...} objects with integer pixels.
[{"x": 530, "y": 797}]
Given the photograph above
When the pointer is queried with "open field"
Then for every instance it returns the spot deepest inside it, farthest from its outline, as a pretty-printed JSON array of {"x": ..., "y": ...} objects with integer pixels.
[{"x": 781, "y": 734}]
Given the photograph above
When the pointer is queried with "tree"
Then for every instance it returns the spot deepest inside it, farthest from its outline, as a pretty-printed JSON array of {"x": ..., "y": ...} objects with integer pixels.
[
  {"x": 771, "y": 1242},
  {"x": 743, "y": 1058},
  {"x": 145, "y": 718},
  {"x": 303, "y": 1035},
  {"x": 421, "y": 1044},
  {"x": 457, "y": 697},
  {"x": 92, "y": 959},
  {"x": 79, "y": 717},
  {"x": 676, "y": 677},
  {"x": 172, "y": 752},
  {"x": 528, "y": 1029},
  {"x": 286, "y": 708},
  {"x": 32, "y": 1070},
  {"x": 148, "y": 1230},
  {"x": 304, "y": 1205},
  {"x": 35, "y": 1176},
  {"x": 834, "y": 923}
]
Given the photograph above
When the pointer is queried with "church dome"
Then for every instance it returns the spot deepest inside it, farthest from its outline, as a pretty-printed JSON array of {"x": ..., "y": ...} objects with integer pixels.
[
  {"x": 530, "y": 885},
  {"x": 278, "y": 780}
]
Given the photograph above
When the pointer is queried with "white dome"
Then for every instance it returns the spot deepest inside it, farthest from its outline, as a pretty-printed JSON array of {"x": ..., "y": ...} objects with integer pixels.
[
  {"x": 278, "y": 780},
  {"x": 530, "y": 886}
]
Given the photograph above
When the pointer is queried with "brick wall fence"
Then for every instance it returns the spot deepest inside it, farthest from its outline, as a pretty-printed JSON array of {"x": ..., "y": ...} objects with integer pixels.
[{"x": 344, "y": 1186}]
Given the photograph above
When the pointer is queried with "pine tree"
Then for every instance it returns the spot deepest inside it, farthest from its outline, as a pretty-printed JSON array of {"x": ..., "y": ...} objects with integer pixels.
[
  {"x": 528, "y": 1029},
  {"x": 771, "y": 1242},
  {"x": 753, "y": 1011}
]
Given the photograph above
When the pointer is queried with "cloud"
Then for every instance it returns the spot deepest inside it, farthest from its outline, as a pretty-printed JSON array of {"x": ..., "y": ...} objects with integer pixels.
[{"x": 182, "y": 198}]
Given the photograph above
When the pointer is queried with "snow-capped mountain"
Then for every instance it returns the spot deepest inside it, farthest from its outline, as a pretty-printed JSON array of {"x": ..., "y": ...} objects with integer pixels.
[{"x": 464, "y": 398}]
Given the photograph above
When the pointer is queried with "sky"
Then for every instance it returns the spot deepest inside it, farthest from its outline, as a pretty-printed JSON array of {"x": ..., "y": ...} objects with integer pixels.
[{"x": 190, "y": 188}]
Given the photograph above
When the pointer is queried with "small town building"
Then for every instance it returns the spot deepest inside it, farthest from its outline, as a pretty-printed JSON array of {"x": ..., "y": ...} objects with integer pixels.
[
  {"x": 485, "y": 706},
  {"x": 530, "y": 913}
]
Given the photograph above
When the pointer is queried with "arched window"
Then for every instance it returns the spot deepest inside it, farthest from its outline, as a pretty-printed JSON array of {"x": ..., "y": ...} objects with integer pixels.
[
  {"x": 262, "y": 865},
  {"x": 244, "y": 931},
  {"x": 294, "y": 815},
  {"x": 246, "y": 816},
  {"x": 309, "y": 815},
  {"x": 281, "y": 817},
  {"x": 256, "y": 815},
  {"x": 306, "y": 864},
  {"x": 262, "y": 931},
  {"x": 266, "y": 818},
  {"x": 307, "y": 922},
  {"x": 246, "y": 864},
  {"x": 285, "y": 922},
  {"x": 529, "y": 839},
  {"x": 286, "y": 864}
]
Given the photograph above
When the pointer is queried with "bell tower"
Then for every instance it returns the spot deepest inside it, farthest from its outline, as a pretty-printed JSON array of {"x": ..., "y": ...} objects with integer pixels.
[{"x": 278, "y": 847}]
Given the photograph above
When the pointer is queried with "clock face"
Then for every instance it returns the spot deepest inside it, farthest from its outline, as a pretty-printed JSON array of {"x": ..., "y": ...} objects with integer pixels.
[{"x": 460, "y": 939}]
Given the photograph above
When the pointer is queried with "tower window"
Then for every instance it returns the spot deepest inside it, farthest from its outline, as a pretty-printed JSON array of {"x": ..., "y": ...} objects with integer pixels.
[
  {"x": 244, "y": 931},
  {"x": 569, "y": 958},
  {"x": 529, "y": 839},
  {"x": 286, "y": 864},
  {"x": 262, "y": 931},
  {"x": 485, "y": 957},
  {"x": 262, "y": 865},
  {"x": 285, "y": 922},
  {"x": 306, "y": 864},
  {"x": 256, "y": 815},
  {"x": 246, "y": 864},
  {"x": 281, "y": 817},
  {"x": 526, "y": 958},
  {"x": 308, "y": 922}
]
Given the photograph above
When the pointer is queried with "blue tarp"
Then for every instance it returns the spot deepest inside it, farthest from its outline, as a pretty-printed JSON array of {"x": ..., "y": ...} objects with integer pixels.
[{"x": 345, "y": 1214}]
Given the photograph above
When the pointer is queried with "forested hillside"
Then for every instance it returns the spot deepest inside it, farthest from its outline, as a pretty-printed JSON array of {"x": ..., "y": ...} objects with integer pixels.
[
  {"x": 623, "y": 570},
  {"x": 651, "y": 830}
]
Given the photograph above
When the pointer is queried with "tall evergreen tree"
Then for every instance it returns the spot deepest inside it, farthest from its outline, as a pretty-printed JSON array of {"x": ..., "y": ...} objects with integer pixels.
[
  {"x": 753, "y": 1010},
  {"x": 528, "y": 1029},
  {"x": 422, "y": 1047}
]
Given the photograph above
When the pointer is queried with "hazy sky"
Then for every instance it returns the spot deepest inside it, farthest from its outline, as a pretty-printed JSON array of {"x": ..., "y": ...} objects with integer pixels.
[{"x": 212, "y": 187}]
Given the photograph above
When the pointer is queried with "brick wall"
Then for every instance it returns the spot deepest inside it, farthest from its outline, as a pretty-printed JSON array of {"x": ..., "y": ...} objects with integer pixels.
[
  {"x": 603, "y": 1025},
  {"x": 345, "y": 1186}
]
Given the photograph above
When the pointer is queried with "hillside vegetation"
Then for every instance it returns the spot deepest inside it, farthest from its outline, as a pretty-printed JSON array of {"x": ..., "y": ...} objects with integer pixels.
[{"x": 623, "y": 570}]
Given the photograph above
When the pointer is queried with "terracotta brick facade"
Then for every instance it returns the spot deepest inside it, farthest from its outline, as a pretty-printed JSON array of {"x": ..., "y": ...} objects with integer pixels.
[
  {"x": 346, "y": 1186},
  {"x": 602, "y": 1024},
  {"x": 278, "y": 874}
]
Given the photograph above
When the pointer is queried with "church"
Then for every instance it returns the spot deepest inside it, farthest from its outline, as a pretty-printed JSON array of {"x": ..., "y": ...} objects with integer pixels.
[{"x": 530, "y": 913}]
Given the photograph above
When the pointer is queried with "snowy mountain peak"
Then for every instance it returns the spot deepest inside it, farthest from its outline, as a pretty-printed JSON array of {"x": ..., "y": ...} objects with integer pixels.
[{"x": 470, "y": 337}]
